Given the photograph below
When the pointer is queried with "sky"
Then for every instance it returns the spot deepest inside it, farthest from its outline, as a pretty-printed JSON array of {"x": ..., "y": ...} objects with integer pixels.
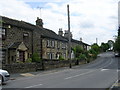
[{"x": 89, "y": 19}]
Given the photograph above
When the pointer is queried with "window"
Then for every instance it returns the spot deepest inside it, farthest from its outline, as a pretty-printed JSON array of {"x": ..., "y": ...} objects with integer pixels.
[
  {"x": 25, "y": 37},
  {"x": 48, "y": 43},
  {"x": 3, "y": 34},
  {"x": 63, "y": 45},
  {"x": 58, "y": 45},
  {"x": 25, "y": 34},
  {"x": 53, "y": 56},
  {"x": 53, "y": 43},
  {"x": 50, "y": 55},
  {"x": 3, "y": 31}
]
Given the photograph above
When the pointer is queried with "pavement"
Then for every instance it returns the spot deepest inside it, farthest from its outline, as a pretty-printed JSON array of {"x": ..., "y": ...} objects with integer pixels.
[{"x": 15, "y": 76}]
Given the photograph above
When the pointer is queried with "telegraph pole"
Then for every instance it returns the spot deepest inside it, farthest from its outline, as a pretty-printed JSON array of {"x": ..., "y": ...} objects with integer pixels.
[
  {"x": 69, "y": 38},
  {"x": 96, "y": 40}
]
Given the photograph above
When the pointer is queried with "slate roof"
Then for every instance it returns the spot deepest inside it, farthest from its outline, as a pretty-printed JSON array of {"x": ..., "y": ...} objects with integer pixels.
[
  {"x": 76, "y": 41},
  {"x": 46, "y": 33},
  {"x": 14, "y": 45},
  {"x": 50, "y": 34}
]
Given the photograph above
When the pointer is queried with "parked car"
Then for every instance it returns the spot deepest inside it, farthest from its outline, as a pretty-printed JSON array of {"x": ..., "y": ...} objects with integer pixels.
[
  {"x": 117, "y": 54},
  {"x": 4, "y": 76}
]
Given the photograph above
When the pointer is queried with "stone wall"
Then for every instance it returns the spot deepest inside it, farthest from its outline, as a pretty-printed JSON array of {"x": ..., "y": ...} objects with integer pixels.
[
  {"x": 44, "y": 65},
  {"x": 20, "y": 68}
]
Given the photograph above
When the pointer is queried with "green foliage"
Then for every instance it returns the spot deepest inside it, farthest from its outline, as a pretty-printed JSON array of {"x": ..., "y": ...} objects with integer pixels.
[
  {"x": 104, "y": 47},
  {"x": 18, "y": 61},
  {"x": 117, "y": 44},
  {"x": 119, "y": 31},
  {"x": 82, "y": 57},
  {"x": 94, "y": 51},
  {"x": 35, "y": 57},
  {"x": 61, "y": 58},
  {"x": 81, "y": 54},
  {"x": 77, "y": 51},
  {"x": 95, "y": 48},
  {"x": 29, "y": 60}
]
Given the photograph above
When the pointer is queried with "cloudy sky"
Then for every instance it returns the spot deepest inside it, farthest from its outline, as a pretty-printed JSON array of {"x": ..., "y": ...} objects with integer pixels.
[{"x": 90, "y": 19}]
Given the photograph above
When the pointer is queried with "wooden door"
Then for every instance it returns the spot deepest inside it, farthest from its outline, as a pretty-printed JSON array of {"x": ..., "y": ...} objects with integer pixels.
[{"x": 22, "y": 56}]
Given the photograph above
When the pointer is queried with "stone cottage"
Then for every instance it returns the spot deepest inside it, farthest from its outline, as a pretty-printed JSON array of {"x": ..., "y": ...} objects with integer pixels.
[{"x": 20, "y": 40}]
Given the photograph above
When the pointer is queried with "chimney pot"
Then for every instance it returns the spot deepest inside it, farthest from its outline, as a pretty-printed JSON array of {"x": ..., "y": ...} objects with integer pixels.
[{"x": 39, "y": 22}]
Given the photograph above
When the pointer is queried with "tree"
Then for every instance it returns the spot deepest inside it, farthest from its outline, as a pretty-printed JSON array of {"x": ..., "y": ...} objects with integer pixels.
[
  {"x": 77, "y": 51},
  {"x": 117, "y": 44},
  {"x": 104, "y": 47},
  {"x": 119, "y": 31},
  {"x": 96, "y": 48},
  {"x": 110, "y": 43}
]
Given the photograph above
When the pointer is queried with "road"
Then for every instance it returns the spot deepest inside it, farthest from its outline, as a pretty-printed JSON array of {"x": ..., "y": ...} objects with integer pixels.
[{"x": 101, "y": 73}]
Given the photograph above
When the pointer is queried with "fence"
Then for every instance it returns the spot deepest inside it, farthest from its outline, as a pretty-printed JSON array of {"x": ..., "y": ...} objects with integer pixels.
[{"x": 43, "y": 65}]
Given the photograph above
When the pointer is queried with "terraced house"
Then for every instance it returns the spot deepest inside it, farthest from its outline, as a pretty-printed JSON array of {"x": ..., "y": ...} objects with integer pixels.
[{"x": 20, "y": 40}]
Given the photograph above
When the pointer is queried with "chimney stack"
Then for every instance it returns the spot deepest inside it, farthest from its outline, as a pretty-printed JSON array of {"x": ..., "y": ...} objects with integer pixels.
[
  {"x": 81, "y": 39},
  {"x": 60, "y": 32},
  {"x": 39, "y": 22},
  {"x": 66, "y": 34}
]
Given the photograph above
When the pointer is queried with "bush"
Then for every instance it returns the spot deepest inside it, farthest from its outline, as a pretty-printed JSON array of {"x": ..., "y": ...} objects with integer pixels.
[
  {"x": 77, "y": 51},
  {"x": 29, "y": 60},
  {"x": 82, "y": 57},
  {"x": 18, "y": 61},
  {"x": 36, "y": 58},
  {"x": 61, "y": 58},
  {"x": 93, "y": 53}
]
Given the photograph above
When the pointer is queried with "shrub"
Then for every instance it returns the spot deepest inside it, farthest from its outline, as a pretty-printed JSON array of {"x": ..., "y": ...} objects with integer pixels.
[
  {"x": 18, "y": 61},
  {"x": 61, "y": 58},
  {"x": 35, "y": 57},
  {"x": 82, "y": 57},
  {"x": 29, "y": 60},
  {"x": 77, "y": 51}
]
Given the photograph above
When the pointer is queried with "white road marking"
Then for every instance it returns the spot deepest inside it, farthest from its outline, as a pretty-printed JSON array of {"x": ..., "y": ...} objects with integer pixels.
[
  {"x": 79, "y": 74},
  {"x": 118, "y": 70},
  {"x": 91, "y": 71},
  {"x": 104, "y": 69},
  {"x": 34, "y": 86},
  {"x": 107, "y": 64}
]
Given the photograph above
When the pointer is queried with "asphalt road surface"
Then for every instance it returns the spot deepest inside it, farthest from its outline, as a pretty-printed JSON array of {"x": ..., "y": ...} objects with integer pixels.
[{"x": 101, "y": 73}]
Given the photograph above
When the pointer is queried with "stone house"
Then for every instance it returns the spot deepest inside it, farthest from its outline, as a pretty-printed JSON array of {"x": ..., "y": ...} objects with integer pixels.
[
  {"x": 53, "y": 45},
  {"x": 74, "y": 42},
  {"x": 20, "y": 40}
]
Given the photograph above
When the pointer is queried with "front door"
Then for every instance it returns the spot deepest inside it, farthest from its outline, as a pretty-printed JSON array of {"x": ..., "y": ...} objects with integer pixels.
[{"x": 22, "y": 56}]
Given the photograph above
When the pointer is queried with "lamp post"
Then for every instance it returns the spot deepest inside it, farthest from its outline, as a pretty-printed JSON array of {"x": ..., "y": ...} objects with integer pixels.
[{"x": 69, "y": 38}]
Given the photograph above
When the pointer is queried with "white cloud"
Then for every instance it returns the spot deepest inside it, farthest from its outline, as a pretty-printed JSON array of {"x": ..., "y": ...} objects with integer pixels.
[{"x": 90, "y": 19}]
